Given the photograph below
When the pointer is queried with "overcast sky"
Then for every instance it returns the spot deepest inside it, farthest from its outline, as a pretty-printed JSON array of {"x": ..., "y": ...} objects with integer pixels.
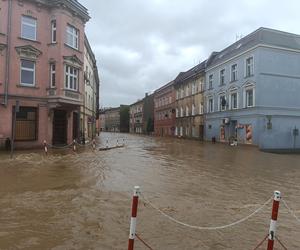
[{"x": 141, "y": 45}]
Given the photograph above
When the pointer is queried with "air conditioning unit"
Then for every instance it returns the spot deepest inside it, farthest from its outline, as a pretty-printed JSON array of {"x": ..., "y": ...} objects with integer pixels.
[{"x": 226, "y": 121}]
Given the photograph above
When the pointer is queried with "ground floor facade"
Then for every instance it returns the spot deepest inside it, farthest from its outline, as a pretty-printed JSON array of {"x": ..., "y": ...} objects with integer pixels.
[
  {"x": 88, "y": 124},
  {"x": 190, "y": 127},
  {"x": 269, "y": 129},
  {"x": 38, "y": 120}
]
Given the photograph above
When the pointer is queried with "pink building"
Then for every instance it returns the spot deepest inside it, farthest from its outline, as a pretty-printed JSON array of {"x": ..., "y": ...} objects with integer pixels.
[{"x": 41, "y": 67}]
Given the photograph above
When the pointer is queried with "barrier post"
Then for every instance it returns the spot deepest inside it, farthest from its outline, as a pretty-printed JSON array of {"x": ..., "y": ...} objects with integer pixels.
[
  {"x": 45, "y": 147},
  {"x": 106, "y": 143},
  {"x": 123, "y": 142},
  {"x": 74, "y": 145},
  {"x": 117, "y": 142},
  {"x": 135, "y": 200},
  {"x": 94, "y": 144},
  {"x": 272, "y": 230}
]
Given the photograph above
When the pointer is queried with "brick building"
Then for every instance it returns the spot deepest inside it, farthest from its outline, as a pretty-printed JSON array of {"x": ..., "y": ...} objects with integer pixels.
[
  {"x": 41, "y": 67},
  {"x": 164, "y": 110}
]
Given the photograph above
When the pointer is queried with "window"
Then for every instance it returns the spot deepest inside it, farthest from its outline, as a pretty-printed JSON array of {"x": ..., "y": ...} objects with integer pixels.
[
  {"x": 53, "y": 31},
  {"x": 170, "y": 99},
  {"x": 201, "y": 108},
  {"x": 181, "y": 131},
  {"x": 52, "y": 75},
  {"x": 234, "y": 72},
  {"x": 177, "y": 113},
  {"x": 26, "y": 124},
  {"x": 193, "y": 109},
  {"x": 71, "y": 78},
  {"x": 222, "y": 103},
  {"x": 201, "y": 84},
  {"x": 27, "y": 73},
  {"x": 181, "y": 112},
  {"x": 222, "y": 77},
  {"x": 72, "y": 37},
  {"x": 182, "y": 93},
  {"x": 177, "y": 94},
  {"x": 193, "y": 88},
  {"x": 187, "y": 113},
  {"x": 210, "y": 82},
  {"x": 234, "y": 100},
  {"x": 28, "y": 30},
  {"x": 176, "y": 131},
  {"x": 249, "y": 66},
  {"x": 187, "y": 91},
  {"x": 210, "y": 105},
  {"x": 249, "y": 98}
]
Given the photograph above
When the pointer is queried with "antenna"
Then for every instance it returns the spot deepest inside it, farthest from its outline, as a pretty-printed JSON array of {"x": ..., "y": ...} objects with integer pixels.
[{"x": 238, "y": 37}]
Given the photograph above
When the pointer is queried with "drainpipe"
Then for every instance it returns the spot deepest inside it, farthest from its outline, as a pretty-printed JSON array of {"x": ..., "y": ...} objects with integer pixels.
[{"x": 8, "y": 36}]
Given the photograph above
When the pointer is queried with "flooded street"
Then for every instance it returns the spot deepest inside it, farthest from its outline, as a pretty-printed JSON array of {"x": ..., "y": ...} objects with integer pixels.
[{"x": 82, "y": 200}]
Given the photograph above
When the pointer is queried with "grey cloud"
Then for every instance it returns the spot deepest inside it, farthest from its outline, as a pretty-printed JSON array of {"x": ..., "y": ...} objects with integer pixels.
[{"x": 142, "y": 44}]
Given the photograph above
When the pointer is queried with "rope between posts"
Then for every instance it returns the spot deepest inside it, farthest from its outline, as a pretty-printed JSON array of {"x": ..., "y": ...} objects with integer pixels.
[
  {"x": 58, "y": 147},
  {"x": 207, "y": 228},
  {"x": 84, "y": 145},
  {"x": 281, "y": 244},
  {"x": 290, "y": 211},
  {"x": 261, "y": 243},
  {"x": 143, "y": 242}
]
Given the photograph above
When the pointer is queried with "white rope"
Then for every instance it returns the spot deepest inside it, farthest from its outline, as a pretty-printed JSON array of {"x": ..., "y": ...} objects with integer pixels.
[
  {"x": 290, "y": 210},
  {"x": 207, "y": 228},
  {"x": 58, "y": 147}
]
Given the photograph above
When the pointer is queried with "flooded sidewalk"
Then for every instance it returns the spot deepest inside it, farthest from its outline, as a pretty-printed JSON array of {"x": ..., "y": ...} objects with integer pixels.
[{"x": 82, "y": 200}]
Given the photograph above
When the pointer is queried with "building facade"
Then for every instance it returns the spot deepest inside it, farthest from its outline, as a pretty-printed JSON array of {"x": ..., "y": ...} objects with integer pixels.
[
  {"x": 148, "y": 114},
  {"x": 41, "y": 68},
  {"x": 189, "y": 105},
  {"x": 136, "y": 117},
  {"x": 112, "y": 119},
  {"x": 252, "y": 91},
  {"x": 89, "y": 111},
  {"x": 164, "y": 110},
  {"x": 101, "y": 120}
]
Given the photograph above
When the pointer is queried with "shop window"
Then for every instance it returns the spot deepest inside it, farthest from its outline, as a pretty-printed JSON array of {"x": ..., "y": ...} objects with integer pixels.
[{"x": 26, "y": 124}]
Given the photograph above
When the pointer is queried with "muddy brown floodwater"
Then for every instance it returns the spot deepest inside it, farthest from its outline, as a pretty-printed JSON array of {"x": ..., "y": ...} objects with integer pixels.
[{"x": 82, "y": 200}]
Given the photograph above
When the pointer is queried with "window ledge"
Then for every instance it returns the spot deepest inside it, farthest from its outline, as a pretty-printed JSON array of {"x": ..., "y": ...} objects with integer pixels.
[
  {"x": 2, "y": 34},
  {"x": 248, "y": 76},
  {"x": 68, "y": 46},
  {"x": 26, "y": 86},
  {"x": 50, "y": 88},
  {"x": 222, "y": 85},
  {"x": 52, "y": 44},
  {"x": 233, "y": 81},
  {"x": 27, "y": 39}
]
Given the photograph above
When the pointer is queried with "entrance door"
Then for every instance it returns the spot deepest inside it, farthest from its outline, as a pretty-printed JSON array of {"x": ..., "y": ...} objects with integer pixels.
[
  {"x": 75, "y": 125},
  {"x": 201, "y": 132},
  {"x": 60, "y": 127}
]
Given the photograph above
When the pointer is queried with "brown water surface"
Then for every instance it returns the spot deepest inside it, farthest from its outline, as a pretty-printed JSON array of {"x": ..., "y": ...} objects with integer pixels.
[{"x": 82, "y": 200}]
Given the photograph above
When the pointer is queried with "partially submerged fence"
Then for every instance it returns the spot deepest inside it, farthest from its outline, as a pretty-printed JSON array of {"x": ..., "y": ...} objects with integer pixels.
[{"x": 271, "y": 236}]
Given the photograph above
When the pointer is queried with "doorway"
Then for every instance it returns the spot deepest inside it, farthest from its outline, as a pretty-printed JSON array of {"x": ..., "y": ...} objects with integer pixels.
[{"x": 60, "y": 126}]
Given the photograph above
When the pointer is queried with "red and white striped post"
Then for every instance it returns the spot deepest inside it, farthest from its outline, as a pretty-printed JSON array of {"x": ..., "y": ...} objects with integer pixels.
[
  {"x": 272, "y": 230},
  {"x": 74, "y": 145},
  {"x": 45, "y": 147},
  {"x": 135, "y": 201}
]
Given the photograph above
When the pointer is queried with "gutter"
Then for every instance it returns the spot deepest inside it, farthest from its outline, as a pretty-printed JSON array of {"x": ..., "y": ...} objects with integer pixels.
[{"x": 8, "y": 38}]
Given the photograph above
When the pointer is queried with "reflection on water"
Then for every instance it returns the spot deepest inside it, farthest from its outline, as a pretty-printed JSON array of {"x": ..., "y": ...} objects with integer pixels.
[{"x": 82, "y": 200}]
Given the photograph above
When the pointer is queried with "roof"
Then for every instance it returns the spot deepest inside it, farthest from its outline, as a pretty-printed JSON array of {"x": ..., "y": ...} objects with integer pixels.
[
  {"x": 72, "y": 5},
  {"x": 200, "y": 68},
  {"x": 165, "y": 86},
  {"x": 264, "y": 36}
]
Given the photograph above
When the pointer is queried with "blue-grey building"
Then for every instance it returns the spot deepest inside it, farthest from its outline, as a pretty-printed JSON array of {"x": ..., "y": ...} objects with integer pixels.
[{"x": 253, "y": 91}]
